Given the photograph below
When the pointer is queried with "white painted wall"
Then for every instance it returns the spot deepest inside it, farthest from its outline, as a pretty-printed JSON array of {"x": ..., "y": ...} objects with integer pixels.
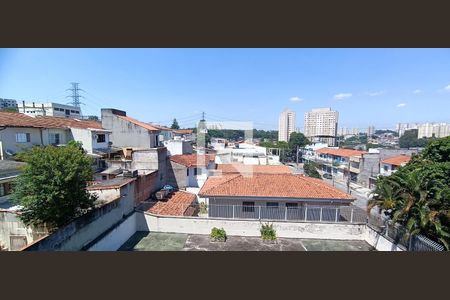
[
  {"x": 380, "y": 242},
  {"x": 194, "y": 225}
]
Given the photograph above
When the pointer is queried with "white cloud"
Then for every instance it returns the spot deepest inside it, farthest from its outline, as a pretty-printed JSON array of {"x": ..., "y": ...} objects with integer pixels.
[
  {"x": 447, "y": 88},
  {"x": 296, "y": 99},
  {"x": 417, "y": 91},
  {"x": 373, "y": 94},
  {"x": 401, "y": 105},
  {"x": 342, "y": 96}
]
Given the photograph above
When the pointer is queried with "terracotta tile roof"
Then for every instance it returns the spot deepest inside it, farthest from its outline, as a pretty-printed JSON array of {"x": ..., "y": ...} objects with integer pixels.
[
  {"x": 341, "y": 152},
  {"x": 241, "y": 168},
  {"x": 176, "y": 205},
  {"x": 193, "y": 160},
  {"x": 397, "y": 160},
  {"x": 22, "y": 120},
  {"x": 138, "y": 123},
  {"x": 271, "y": 185}
]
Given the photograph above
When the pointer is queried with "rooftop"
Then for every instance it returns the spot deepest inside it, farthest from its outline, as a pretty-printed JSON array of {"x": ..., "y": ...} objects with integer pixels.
[
  {"x": 341, "y": 152},
  {"x": 9, "y": 119},
  {"x": 139, "y": 123},
  {"x": 114, "y": 183},
  {"x": 175, "y": 205},
  {"x": 10, "y": 168},
  {"x": 398, "y": 160},
  {"x": 242, "y": 168},
  {"x": 193, "y": 160},
  {"x": 271, "y": 185}
]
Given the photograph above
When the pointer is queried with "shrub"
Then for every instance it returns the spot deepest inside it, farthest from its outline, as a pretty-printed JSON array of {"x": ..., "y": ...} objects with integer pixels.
[
  {"x": 268, "y": 233},
  {"x": 218, "y": 235}
]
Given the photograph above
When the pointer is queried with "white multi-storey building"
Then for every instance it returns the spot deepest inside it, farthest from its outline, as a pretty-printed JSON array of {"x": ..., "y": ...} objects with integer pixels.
[
  {"x": 7, "y": 103},
  {"x": 49, "y": 109},
  {"x": 321, "y": 125},
  {"x": 427, "y": 130},
  {"x": 286, "y": 125}
]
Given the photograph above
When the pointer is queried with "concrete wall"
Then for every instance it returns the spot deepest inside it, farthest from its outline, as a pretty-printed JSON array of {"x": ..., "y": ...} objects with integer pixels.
[
  {"x": 151, "y": 160},
  {"x": 64, "y": 135},
  {"x": 127, "y": 134},
  {"x": 8, "y": 138},
  {"x": 176, "y": 147},
  {"x": 379, "y": 242},
  {"x": 176, "y": 175},
  {"x": 193, "y": 225},
  {"x": 86, "y": 229},
  {"x": 84, "y": 136}
]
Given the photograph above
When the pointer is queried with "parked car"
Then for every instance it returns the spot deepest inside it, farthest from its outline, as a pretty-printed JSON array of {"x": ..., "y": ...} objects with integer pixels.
[{"x": 327, "y": 176}]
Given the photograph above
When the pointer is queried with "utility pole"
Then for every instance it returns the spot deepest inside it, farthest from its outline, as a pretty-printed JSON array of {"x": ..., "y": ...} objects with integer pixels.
[
  {"x": 348, "y": 176},
  {"x": 297, "y": 156}
]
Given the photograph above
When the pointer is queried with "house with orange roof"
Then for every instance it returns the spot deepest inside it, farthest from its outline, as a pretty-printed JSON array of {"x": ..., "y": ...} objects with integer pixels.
[
  {"x": 189, "y": 170},
  {"x": 20, "y": 131},
  {"x": 129, "y": 132},
  {"x": 272, "y": 196},
  {"x": 391, "y": 164}
]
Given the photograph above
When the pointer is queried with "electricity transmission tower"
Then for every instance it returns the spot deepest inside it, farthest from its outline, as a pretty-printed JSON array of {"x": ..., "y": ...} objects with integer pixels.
[{"x": 75, "y": 94}]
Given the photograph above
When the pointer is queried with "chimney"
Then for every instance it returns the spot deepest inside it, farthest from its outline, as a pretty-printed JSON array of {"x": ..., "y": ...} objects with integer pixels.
[
  {"x": 23, "y": 104},
  {"x": 33, "y": 105},
  {"x": 43, "y": 110}
]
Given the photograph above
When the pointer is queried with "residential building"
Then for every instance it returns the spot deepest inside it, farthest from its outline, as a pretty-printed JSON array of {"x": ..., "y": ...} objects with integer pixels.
[
  {"x": 321, "y": 125},
  {"x": 129, "y": 132},
  {"x": 390, "y": 165},
  {"x": 438, "y": 130},
  {"x": 248, "y": 154},
  {"x": 19, "y": 131},
  {"x": 50, "y": 109},
  {"x": 189, "y": 170},
  {"x": 7, "y": 103},
  {"x": 178, "y": 146},
  {"x": 370, "y": 131},
  {"x": 402, "y": 127},
  {"x": 283, "y": 196},
  {"x": 286, "y": 125}
]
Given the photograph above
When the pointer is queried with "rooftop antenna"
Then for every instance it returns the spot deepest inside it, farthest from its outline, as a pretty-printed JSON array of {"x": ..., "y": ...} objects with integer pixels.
[
  {"x": 203, "y": 116},
  {"x": 75, "y": 94}
]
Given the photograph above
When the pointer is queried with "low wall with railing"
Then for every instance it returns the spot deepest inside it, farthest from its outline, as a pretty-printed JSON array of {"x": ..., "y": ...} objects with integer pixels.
[{"x": 247, "y": 227}]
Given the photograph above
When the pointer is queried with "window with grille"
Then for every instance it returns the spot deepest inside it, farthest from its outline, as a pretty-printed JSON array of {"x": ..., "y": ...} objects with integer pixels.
[
  {"x": 23, "y": 138},
  {"x": 248, "y": 206},
  {"x": 101, "y": 138},
  {"x": 53, "y": 138}
]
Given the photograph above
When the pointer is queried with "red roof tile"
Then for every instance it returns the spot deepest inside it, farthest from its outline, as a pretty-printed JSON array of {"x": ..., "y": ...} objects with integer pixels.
[
  {"x": 271, "y": 185},
  {"x": 397, "y": 160},
  {"x": 183, "y": 131},
  {"x": 138, "y": 123},
  {"x": 341, "y": 152},
  {"x": 21, "y": 120},
  {"x": 193, "y": 160},
  {"x": 241, "y": 168},
  {"x": 176, "y": 205}
]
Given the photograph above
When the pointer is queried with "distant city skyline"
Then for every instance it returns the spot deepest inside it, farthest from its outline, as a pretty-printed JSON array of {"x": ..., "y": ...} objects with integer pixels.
[{"x": 379, "y": 87}]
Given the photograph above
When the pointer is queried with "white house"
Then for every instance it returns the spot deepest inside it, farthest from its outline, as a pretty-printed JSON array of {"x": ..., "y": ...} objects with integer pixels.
[
  {"x": 190, "y": 170},
  {"x": 390, "y": 165}
]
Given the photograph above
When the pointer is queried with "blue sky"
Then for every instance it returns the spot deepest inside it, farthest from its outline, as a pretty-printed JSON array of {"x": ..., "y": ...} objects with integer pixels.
[{"x": 367, "y": 86}]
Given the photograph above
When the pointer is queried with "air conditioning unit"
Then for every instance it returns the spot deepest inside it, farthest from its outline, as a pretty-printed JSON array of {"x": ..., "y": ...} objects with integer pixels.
[{"x": 130, "y": 173}]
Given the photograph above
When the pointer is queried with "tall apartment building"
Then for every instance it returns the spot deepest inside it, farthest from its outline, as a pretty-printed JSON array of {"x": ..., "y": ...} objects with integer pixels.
[
  {"x": 49, "y": 109},
  {"x": 438, "y": 130},
  {"x": 321, "y": 125},
  {"x": 402, "y": 127},
  {"x": 370, "y": 131},
  {"x": 7, "y": 103},
  {"x": 286, "y": 125}
]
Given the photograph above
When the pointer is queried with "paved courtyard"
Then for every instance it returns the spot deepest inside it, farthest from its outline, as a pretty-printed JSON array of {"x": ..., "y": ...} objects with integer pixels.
[{"x": 156, "y": 241}]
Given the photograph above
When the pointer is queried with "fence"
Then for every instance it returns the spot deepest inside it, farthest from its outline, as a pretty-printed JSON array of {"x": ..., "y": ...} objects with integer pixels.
[
  {"x": 330, "y": 214},
  {"x": 399, "y": 235}
]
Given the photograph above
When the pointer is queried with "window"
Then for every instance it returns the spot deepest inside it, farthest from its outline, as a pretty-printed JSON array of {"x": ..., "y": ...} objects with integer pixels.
[
  {"x": 272, "y": 204},
  {"x": 292, "y": 205},
  {"x": 187, "y": 171},
  {"x": 67, "y": 112},
  {"x": 5, "y": 189},
  {"x": 23, "y": 138},
  {"x": 248, "y": 206},
  {"x": 101, "y": 138},
  {"x": 386, "y": 168},
  {"x": 104, "y": 177},
  {"x": 53, "y": 138},
  {"x": 197, "y": 171}
]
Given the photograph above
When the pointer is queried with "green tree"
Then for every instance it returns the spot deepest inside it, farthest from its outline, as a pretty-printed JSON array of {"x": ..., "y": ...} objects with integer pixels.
[
  {"x": 418, "y": 194},
  {"x": 9, "y": 109},
  {"x": 175, "y": 124},
  {"x": 93, "y": 118},
  {"x": 298, "y": 139},
  {"x": 52, "y": 188},
  {"x": 410, "y": 139},
  {"x": 310, "y": 169}
]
